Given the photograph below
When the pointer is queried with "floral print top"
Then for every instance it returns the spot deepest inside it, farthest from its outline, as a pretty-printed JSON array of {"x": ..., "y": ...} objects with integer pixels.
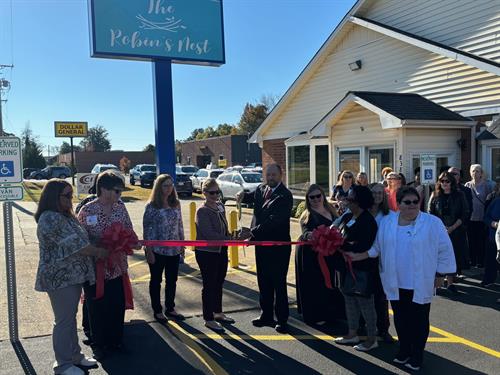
[
  {"x": 60, "y": 239},
  {"x": 163, "y": 224},
  {"x": 95, "y": 221}
]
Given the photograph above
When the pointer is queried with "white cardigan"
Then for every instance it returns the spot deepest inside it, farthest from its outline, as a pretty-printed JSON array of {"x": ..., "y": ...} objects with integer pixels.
[{"x": 432, "y": 252}]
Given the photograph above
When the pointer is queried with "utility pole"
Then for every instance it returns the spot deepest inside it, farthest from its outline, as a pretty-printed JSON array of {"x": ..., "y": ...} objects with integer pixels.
[{"x": 3, "y": 85}]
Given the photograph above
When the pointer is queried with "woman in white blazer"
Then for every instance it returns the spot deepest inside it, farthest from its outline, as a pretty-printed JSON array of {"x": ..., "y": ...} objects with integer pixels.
[{"x": 415, "y": 253}]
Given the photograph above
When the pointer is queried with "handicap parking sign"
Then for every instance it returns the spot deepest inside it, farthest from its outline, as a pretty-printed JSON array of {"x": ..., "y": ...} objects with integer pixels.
[
  {"x": 428, "y": 174},
  {"x": 6, "y": 168}
]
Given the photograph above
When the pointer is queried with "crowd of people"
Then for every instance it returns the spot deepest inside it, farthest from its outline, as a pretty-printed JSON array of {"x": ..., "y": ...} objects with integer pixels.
[{"x": 399, "y": 254}]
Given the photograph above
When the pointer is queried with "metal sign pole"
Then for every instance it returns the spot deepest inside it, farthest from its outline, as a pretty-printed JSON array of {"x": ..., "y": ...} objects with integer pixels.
[
  {"x": 10, "y": 266},
  {"x": 72, "y": 163}
]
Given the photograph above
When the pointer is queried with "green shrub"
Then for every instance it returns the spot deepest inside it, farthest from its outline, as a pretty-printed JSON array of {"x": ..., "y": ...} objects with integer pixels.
[{"x": 300, "y": 209}]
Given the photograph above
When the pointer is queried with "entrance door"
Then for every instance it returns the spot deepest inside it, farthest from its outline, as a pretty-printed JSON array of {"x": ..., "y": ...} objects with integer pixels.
[{"x": 203, "y": 160}]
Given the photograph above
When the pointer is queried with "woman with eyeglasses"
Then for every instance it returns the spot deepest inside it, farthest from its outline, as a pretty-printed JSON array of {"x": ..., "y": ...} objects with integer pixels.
[
  {"x": 162, "y": 220},
  {"x": 106, "y": 314},
  {"x": 450, "y": 205},
  {"x": 315, "y": 302},
  {"x": 415, "y": 253},
  {"x": 341, "y": 190},
  {"x": 65, "y": 264},
  {"x": 211, "y": 224},
  {"x": 359, "y": 229},
  {"x": 362, "y": 179}
]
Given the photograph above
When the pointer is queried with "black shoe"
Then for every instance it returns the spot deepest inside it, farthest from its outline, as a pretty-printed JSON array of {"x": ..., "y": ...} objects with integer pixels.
[
  {"x": 485, "y": 284},
  {"x": 160, "y": 318},
  {"x": 281, "y": 327},
  {"x": 452, "y": 288},
  {"x": 175, "y": 315},
  {"x": 387, "y": 338},
  {"x": 261, "y": 322},
  {"x": 99, "y": 353},
  {"x": 87, "y": 341}
]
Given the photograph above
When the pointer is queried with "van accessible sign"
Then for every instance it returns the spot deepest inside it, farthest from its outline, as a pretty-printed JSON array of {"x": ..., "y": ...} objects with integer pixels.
[
  {"x": 184, "y": 31},
  {"x": 70, "y": 129}
]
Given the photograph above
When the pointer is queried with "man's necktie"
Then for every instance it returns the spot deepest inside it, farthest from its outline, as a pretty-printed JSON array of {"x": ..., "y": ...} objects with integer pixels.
[{"x": 268, "y": 193}]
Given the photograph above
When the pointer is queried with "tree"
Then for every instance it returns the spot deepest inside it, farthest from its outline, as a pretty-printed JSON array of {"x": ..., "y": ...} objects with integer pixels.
[
  {"x": 252, "y": 117},
  {"x": 125, "y": 165},
  {"x": 66, "y": 148},
  {"x": 97, "y": 140},
  {"x": 194, "y": 134},
  {"x": 149, "y": 148},
  {"x": 32, "y": 149}
]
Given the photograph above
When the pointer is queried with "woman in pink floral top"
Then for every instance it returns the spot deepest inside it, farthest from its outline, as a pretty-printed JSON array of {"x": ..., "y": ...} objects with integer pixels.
[{"x": 107, "y": 313}]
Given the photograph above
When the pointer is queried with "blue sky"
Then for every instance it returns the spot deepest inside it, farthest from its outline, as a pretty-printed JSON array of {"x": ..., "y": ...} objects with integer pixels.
[{"x": 268, "y": 43}]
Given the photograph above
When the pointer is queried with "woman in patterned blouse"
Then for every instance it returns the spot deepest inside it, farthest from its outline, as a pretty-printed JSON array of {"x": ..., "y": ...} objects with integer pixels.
[
  {"x": 64, "y": 265},
  {"x": 163, "y": 221},
  {"x": 106, "y": 314}
]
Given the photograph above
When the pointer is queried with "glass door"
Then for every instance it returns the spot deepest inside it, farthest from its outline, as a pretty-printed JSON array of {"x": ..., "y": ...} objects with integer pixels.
[
  {"x": 349, "y": 159},
  {"x": 378, "y": 159}
]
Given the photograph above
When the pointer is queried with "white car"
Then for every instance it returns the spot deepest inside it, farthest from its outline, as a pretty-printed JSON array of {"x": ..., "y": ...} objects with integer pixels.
[
  {"x": 201, "y": 175},
  {"x": 230, "y": 183},
  {"x": 98, "y": 168}
]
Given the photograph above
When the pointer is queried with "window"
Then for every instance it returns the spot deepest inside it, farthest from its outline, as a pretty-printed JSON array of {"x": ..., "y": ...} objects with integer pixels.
[
  {"x": 322, "y": 166},
  {"x": 378, "y": 159},
  {"x": 349, "y": 160},
  {"x": 298, "y": 169},
  {"x": 495, "y": 163}
]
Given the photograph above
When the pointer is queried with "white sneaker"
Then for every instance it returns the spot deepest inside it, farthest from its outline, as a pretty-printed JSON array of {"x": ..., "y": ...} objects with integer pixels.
[
  {"x": 73, "y": 370},
  {"x": 213, "y": 325},
  {"x": 87, "y": 362}
]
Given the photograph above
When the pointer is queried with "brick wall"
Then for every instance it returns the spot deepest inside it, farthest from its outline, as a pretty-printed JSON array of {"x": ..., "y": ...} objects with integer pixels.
[{"x": 274, "y": 151}]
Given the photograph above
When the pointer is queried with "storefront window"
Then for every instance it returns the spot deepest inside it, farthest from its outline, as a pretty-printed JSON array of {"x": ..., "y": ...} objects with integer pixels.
[
  {"x": 378, "y": 159},
  {"x": 349, "y": 160},
  {"x": 322, "y": 166},
  {"x": 298, "y": 169}
]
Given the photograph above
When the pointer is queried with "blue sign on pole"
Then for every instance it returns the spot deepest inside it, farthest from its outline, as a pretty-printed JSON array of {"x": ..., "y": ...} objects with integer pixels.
[{"x": 183, "y": 31}]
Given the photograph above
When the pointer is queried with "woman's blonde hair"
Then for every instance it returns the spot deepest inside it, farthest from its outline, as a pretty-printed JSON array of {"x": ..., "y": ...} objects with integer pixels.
[
  {"x": 208, "y": 183},
  {"x": 341, "y": 175},
  {"x": 304, "y": 218},
  {"x": 156, "y": 197}
]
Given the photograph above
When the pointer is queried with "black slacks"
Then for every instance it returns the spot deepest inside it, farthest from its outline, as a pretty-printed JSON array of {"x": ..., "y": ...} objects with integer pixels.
[
  {"x": 169, "y": 265},
  {"x": 412, "y": 325},
  {"x": 106, "y": 314},
  {"x": 272, "y": 268},
  {"x": 213, "y": 267},
  {"x": 477, "y": 233}
]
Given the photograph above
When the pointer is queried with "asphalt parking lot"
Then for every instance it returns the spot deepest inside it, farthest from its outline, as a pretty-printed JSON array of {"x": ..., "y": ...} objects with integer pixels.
[{"x": 464, "y": 333}]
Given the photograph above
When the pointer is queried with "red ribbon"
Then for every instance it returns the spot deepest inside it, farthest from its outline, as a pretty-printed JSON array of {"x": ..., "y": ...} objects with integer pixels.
[{"x": 209, "y": 243}]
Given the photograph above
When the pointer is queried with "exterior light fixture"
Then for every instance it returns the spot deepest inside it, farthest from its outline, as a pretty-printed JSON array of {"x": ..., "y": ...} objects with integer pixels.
[{"x": 356, "y": 65}]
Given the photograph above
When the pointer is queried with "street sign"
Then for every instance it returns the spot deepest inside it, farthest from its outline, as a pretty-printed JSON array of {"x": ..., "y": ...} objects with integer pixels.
[
  {"x": 10, "y": 160},
  {"x": 427, "y": 169},
  {"x": 11, "y": 193},
  {"x": 70, "y": 129}
]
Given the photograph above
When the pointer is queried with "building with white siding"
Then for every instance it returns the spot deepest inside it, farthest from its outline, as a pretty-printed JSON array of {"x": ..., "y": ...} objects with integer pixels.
[{"x": 344, "y": 111}]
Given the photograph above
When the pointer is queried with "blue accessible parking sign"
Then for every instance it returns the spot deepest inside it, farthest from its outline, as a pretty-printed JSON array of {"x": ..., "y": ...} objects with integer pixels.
[{"x": 6, "y": 168}]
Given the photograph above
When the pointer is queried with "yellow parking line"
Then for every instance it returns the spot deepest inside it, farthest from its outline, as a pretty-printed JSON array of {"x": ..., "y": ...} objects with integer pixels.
[
  {"x": 460, "y": 340},
  {"x": 136, "y": 264}
]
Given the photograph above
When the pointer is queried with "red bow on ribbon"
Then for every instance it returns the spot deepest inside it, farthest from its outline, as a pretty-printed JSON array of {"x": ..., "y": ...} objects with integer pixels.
[
  {"x": 326, "y": 241},
  {"x": 118, "y": 240}
]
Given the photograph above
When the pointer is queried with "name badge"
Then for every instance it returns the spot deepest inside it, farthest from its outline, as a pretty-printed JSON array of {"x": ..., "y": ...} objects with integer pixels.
[
  {"x": 351, "y": 223},
  {"x": 92, "y": 220}
]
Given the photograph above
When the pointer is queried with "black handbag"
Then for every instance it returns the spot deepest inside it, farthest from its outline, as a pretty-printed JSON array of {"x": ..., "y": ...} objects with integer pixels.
[{"x": 362, "y": 286}]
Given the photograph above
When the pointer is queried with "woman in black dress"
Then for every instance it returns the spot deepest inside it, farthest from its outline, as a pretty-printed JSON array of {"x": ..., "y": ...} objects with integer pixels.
[{"x": 315, "y": 302}]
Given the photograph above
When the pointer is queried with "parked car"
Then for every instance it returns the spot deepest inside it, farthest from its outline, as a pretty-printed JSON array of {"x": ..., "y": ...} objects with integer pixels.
[
  {"x": 98, "y": 168},
  {"x": 51, "y": 172},
  {"x": 145, "y": 174},
  {"x": 231, "y": 183},
  {"x": 201, "y": 175},
  {"x": 187, "y": 169},
  {"x": 28, "y": 171},
  {"x": 183, "y": 184},
  {"x": 234, "y": 168}
]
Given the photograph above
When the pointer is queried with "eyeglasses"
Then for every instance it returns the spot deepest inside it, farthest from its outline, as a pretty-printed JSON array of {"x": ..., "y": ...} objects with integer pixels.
[
  {"x": 454, "y": 173},
  {"x": 213, "y": 192},
  {"x": 317, "y": 196},
  {"x": 408, "y": 202},
  {"x": 347, "y": 176},
  {"x": 67, "y": 195},
  {"x": 444, "y": 181}
]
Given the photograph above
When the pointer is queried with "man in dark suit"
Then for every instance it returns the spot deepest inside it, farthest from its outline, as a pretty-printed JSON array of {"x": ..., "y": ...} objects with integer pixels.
[{"x": 271, "y": 222}]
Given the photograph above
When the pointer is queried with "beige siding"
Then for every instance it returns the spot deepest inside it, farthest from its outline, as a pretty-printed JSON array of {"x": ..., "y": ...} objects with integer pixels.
[
  {"x": 388, "y": 65},
  {"x": 469, "y": 25},
  {"x": 432, "y": 141}
]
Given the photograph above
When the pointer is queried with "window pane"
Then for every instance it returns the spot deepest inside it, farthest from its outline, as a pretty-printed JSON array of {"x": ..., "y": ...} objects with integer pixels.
[
  {"x": 298, "y": 169},
  {"x": 322, "y": 167},
  {"x": 378, "y": 160},
  {"x": 495, "y": 164},
  {"x": 349, "y": 160}
]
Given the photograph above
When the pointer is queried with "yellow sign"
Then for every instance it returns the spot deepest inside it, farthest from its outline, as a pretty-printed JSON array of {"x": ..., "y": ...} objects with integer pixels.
[
  {"x": 70, "y": 129},
  {"x": 223, "y": 163}
]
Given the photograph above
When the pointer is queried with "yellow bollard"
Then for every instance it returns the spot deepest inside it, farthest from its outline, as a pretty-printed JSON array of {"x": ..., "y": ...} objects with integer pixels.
[
  {"x": 192, "y": 224},
  {"x": 233, "y": 250}
]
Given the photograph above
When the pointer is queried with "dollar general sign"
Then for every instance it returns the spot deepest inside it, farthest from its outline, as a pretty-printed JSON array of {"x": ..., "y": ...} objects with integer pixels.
[{"x": 70, "y": 129}]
